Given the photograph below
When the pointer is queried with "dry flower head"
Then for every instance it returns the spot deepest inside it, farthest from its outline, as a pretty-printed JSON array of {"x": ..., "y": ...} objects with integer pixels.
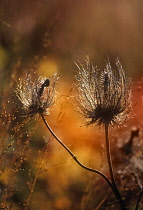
[
  {"x": 103, "y": 96},
  {"x": 37, "y": 94}
]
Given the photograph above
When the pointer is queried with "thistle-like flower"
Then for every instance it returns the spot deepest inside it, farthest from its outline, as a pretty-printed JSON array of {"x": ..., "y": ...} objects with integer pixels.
[
  {"x": 104, "y": 96},
  {"x": 36, "y": 95}
]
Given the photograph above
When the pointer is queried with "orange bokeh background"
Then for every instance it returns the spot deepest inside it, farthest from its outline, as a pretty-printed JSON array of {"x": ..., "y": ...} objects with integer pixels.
[{"x": 48, "y": 36}]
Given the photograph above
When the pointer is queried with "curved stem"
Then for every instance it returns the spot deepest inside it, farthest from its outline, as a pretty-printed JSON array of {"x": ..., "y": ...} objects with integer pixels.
[
  {"x": 74, "y": 157},
  {"x": 115, "y": 189}
]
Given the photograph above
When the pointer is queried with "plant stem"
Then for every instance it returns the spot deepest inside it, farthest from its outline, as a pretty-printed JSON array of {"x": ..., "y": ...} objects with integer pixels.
[
  {"x": 139, "y": 198},
  {"x": 73, "y": 156},
  {"x": 115, "y": 189},
  {"x": 83, "y": 166}
]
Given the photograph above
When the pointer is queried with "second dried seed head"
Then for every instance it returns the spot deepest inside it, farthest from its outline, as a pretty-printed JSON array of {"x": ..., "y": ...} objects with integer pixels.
[{"x": 103, "y": 96}]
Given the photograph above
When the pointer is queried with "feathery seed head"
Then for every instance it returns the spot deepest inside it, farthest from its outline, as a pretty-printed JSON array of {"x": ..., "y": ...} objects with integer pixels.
[
  {"x": 37, "y": 95},
  {"x": 104, "y": 96}
]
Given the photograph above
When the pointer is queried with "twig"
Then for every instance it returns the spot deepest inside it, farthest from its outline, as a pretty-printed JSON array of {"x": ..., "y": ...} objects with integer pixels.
[{"x": 34, "y": 181}]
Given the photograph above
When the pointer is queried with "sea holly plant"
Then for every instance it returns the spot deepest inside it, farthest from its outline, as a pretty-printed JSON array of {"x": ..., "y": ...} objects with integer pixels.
[{"x": 103, "y": 99}]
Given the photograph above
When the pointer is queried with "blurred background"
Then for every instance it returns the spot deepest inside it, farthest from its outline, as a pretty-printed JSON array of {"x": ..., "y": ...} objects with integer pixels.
[{"x": 47, "y": 36}]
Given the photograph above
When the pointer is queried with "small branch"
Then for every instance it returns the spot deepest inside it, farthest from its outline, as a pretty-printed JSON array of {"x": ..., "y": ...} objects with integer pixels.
[{"x": 34, "y": 181}]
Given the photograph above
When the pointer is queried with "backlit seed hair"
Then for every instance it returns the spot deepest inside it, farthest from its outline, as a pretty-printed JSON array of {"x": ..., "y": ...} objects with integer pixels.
[
  {"x": 37, "y": 95},
  {"x": 103, "y": 96}
]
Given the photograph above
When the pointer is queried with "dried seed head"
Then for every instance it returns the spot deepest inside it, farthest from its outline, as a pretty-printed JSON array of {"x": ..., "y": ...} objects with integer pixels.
[
  {"x": 104, "y": 96},
  {"x": 37, "y": 95}
]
